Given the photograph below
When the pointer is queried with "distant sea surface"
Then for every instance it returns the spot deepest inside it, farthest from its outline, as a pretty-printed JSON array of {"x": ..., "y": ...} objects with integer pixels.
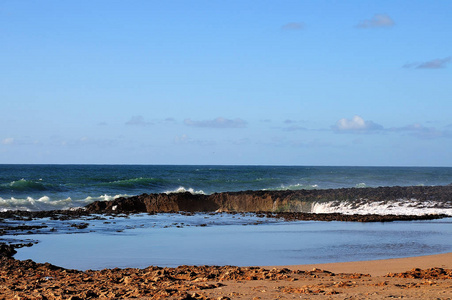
[{"x": 48, "y": 187}]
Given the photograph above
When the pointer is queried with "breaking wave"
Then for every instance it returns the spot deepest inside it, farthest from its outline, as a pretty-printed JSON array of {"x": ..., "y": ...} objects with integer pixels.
[
  {"x": 46, "y": 203},
  {"x": 26, "y": 185},
  {"x": 360, "y": 185},
  {"x": 397, "y": 207},
  {"x": 294, "y": 187},
  {"x": 181, "y": 189}
]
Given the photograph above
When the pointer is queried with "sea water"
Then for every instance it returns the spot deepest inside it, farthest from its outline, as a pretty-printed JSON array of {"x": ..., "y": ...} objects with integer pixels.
[
  {"x": 225, "y": 239},
  {"x": 49, "y": 187},
  {"x": 218, "y": 239}
]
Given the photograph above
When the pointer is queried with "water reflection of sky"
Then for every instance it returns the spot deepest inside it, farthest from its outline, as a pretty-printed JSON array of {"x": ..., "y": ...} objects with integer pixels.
[{"x": 222, "y": 239}]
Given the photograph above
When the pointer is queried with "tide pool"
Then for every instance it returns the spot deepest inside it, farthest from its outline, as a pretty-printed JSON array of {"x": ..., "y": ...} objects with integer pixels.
[{"x": 242, "y": 240}]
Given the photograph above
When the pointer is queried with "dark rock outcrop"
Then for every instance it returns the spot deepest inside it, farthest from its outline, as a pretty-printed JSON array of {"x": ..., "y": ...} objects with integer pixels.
[
  {"x": 267, "y": 201},
  {"x": 7, "y": 250}
]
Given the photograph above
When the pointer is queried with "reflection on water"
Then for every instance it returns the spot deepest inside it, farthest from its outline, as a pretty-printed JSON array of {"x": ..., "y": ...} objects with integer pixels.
[{"x": 223, "y": 239}]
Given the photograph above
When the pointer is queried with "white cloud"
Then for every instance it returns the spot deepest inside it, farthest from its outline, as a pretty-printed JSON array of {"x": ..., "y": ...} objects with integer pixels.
[
  {"x": 8, "y": 141},
  {"x": 438, "y": 63},
  {"x": 293, "y": 26},
  {"x": 378, "y": 20},
  {"x": 138, "y": 121},
  {"x": 356, "y": 124},
  {"x": 217, "y": 123}
]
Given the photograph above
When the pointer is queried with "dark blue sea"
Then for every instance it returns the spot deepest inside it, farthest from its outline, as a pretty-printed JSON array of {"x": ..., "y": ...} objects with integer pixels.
[{"x": 49, "y": 187}]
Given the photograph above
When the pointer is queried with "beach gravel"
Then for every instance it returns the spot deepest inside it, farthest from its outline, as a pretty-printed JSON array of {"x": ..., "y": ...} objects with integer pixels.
[{"x": 30, "y": 280}]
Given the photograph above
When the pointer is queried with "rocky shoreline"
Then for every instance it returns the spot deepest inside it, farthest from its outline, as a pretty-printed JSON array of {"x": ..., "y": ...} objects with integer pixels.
[
  {"x": 30, "y": 280},
  {"x": 268, "y": 201},
  {"x": 287, "y": 205}
]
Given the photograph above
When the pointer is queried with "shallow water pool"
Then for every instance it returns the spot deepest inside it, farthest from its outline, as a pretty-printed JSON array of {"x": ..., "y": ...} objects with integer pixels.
[{"x": 224, "y": 239}]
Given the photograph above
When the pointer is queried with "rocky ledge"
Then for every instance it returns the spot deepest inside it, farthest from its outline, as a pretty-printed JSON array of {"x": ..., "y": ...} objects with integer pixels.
[
  {"x": 30, "y": 280},
  {"x": 268, "y": 201},
  {"x": 46, "y": 281}
]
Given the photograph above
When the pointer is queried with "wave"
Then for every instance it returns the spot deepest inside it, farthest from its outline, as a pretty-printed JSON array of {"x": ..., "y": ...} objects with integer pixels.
[
  {"x": 360, "y": 185},
  {"x": 31, "y": 204},
  {"x": 398, "y": 207},
  {"x": 46, "y": 203},
  {"x": 181, "y": 189},
  {"x": 134, "y": 182},
  {"x": 294, "y": 187},
  {"x": 26, "y": 185},
  {"x": 105, "y": 197}
]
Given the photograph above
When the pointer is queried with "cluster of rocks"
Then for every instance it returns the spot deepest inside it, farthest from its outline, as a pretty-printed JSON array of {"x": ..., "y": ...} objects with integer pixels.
[
  {"x": 294, "y": 216},
  {"x": 7, "y": 250},
  {"x": 61, "y": 215},
  {"x": 432, "y": 273},
  {"x": 30, "y": 280}
]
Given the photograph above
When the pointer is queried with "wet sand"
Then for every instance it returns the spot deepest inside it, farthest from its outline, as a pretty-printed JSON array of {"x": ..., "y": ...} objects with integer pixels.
[
  {"x": 427, "y": 277},
  {"x": 382, "y": 267},
  {"x": 422, "y": 277}
]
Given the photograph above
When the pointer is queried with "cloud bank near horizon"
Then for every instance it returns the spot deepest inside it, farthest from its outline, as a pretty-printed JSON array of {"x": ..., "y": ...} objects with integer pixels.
[
  {"x": 377, "y": 21},
  {"x": 219, "y": 122},
  {"x": 356, "y": 124}
]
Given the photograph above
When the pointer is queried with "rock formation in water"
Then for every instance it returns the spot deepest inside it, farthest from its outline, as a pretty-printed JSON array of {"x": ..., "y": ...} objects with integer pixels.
[{"x": 267, "y": 201}]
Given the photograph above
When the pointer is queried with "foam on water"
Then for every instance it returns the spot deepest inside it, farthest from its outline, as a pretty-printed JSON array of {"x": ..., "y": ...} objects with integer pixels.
[
  {"x": 399, "y": 207},
  {"x": 21, "y": 186},
  {"x": 181, "y": 189},
  {"x": 297, "y": 186},
  {"x": 105, "y": 197},
  {"x": 361, "y": 185},
  {"x": 46, "y": 203},
  {"x": 31, "y": 204}
]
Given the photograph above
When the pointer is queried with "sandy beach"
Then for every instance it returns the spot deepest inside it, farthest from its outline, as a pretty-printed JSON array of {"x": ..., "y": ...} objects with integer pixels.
[
  {"x": 377, "y": 279},
  {"x": 382, "y": 267},
  {"x": 425, "y": 277}
]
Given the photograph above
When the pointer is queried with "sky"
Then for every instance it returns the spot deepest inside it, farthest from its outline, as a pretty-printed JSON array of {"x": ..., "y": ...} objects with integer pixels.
[{"x": 337, "y": 83}]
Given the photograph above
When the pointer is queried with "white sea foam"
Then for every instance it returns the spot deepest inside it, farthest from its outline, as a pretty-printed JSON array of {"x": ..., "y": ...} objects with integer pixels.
[
  {"x": 104, "y": 197},
  {"x": 181, "y": 189},
  {"x": 297, "y": 186},
  {"x": 31, "y": 204},
  {"x": 399, "y": 207},
  {"x": 46, "y": 203}
]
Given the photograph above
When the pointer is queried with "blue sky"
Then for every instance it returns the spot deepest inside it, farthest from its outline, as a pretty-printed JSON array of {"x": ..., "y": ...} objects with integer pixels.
[{"x": 226, "y": 82}]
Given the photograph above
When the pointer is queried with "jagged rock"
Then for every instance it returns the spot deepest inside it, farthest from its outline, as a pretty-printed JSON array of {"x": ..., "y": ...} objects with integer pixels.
[
  {"x": 290, "y": 202},
  {"x": 7, "y": 250}
]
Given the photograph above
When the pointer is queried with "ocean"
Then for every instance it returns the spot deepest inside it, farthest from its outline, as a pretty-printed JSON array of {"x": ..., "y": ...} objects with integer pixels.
[
  {"x": 216, "y": 239},
  {"x": 50, "y": 187}
]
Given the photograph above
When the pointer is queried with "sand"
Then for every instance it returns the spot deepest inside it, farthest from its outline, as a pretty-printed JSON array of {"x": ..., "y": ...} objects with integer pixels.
[
  {"x": 382, "y": 267},
  {"x": 347, "y": 284},
  {"x": 353, "y": 280}
]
